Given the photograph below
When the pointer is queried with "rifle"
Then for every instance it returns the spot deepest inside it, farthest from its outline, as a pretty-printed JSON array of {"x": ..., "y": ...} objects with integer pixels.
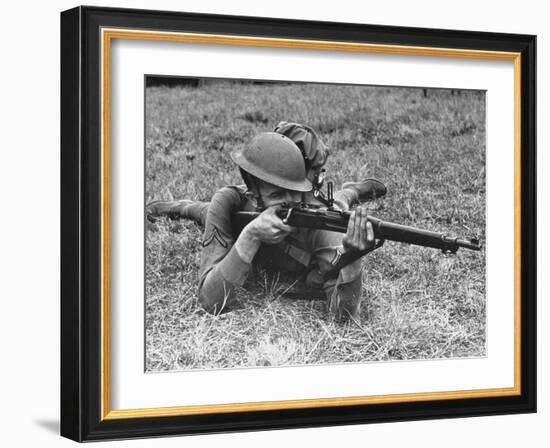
[
  {"x": 329, "y": 217},
  {"x": 333, "y": 219}
]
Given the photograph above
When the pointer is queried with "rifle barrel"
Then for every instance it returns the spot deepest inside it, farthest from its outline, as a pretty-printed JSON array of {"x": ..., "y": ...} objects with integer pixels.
[
  {"x": 337, "y": 221},
  {"x": 411, "y": 235}
]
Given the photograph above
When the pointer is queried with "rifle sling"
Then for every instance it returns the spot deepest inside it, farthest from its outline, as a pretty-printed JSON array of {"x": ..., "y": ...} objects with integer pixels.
[{"x": 349, "y": 258}]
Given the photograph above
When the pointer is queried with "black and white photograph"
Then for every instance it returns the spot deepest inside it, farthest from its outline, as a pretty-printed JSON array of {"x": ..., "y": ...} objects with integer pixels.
[
  {"x": 291, "y": 223},
  {"x": 275, "y": 224}
]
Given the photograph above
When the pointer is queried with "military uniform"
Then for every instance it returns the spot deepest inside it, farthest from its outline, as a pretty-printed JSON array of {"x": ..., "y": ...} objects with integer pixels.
[{"x": 309, "y": 253}]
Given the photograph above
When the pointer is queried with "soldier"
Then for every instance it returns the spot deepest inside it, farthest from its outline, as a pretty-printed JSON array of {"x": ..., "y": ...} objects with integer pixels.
[{"x": 278, "y": 167}]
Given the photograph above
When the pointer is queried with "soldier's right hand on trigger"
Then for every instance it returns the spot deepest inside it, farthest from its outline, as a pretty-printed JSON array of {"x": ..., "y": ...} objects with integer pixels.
[{"x": 269, "y": 228}]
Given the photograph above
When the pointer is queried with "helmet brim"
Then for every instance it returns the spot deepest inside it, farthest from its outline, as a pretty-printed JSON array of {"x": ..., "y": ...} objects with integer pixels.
[{"x": 302, "y": 186}]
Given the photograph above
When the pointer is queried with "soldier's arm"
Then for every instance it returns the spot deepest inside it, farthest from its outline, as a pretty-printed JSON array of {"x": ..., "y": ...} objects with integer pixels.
[
  {"x": 343, "y": 292},
  {"x": 225, "y": 263},
  {"x": 222, "y": 268}
]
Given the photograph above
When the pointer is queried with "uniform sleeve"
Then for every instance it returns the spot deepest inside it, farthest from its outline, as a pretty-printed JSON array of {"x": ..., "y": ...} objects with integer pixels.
[
  {"x": 221, "y": 269},
  {"x": 343, "y": 293}
]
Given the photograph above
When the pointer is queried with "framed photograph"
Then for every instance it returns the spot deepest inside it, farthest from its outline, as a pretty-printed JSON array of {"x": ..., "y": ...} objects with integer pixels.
[{"x": 276, "y": 224}]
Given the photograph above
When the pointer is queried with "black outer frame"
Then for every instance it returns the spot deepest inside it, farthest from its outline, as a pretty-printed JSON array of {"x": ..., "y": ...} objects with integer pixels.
[{"x": 81, "y": 223}]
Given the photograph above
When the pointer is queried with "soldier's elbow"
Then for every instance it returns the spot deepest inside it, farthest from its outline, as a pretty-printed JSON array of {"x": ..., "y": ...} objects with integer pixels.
[
  {"x": 208, "y": 304},
  {"x": 213, "y": 303}
]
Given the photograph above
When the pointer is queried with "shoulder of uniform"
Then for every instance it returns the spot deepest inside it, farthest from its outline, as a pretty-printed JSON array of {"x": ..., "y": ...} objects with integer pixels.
[
  {"x": 231, "y": 191},
  {"x": 232, "y": 196}
]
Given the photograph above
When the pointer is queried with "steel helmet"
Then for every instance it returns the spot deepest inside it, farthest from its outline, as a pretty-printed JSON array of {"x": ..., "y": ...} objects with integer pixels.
[{"x": 275, "y": 159}]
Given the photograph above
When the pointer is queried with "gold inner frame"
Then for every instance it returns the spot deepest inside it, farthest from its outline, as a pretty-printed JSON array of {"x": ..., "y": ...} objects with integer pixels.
[{"x": 107, "y": 35}]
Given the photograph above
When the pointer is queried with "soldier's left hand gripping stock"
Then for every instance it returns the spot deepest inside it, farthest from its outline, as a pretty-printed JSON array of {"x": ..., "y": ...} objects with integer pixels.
[{"x": 359, "y": 236}]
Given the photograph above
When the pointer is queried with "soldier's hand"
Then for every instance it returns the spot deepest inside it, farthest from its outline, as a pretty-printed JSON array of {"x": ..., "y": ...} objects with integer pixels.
[
  {"x": 269, "y": 228},
  {"x": 360, "y": 234}
]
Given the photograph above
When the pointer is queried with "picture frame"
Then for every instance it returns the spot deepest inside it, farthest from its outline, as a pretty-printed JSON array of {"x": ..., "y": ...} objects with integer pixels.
[{"x": 86, "y": 210}]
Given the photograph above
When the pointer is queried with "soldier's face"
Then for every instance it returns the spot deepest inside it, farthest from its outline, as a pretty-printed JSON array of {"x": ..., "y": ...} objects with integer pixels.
[{"x": 273, "y": 195}]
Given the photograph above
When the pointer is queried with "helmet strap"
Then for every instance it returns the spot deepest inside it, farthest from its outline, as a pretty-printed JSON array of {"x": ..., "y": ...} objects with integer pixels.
[
  {"x": 257, "y": 194},
  {"x": 252, "y": 184}
]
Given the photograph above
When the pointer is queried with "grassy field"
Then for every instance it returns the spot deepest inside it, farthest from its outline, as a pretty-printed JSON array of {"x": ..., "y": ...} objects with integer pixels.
[{"x": 417, "y": 302}]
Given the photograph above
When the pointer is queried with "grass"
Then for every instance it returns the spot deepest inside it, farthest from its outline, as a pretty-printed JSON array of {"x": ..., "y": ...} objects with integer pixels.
[{"x": 417, "y": 302}]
